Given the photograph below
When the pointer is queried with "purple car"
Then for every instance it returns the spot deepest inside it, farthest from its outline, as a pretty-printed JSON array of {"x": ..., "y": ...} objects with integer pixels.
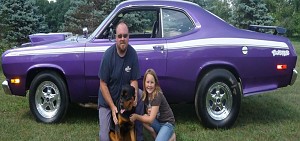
[{"x": 198, "y": 57}]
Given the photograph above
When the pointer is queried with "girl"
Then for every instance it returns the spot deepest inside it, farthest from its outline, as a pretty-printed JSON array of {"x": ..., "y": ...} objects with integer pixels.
[{"x": 159, "y": 117}]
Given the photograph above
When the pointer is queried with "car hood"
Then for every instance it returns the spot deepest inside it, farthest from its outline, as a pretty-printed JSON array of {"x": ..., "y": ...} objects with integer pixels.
[
  {"x": 45, "y": 42},
  {"x": 46, "y": 38}
]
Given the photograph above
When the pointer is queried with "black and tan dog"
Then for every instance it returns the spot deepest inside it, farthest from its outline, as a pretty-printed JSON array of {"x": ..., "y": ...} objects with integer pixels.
[{"x": 124, "y": 130}]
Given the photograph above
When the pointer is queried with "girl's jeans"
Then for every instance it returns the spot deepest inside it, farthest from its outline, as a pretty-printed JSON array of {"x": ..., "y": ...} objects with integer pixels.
[{"x": 164, "y": 131}]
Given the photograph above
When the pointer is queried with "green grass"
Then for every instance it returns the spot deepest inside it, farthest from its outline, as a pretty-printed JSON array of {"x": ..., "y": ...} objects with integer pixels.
[{"x": 273, "y": 116}]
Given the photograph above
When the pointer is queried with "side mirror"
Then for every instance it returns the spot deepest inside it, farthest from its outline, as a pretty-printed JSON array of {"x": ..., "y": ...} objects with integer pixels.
[{"x": 85, "y": 32}]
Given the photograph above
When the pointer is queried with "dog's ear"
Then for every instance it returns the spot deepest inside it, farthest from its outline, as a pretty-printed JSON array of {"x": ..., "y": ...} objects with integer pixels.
[
  {"x": 128, "y": 91},
  {"x": 131, "y": 91},
  {"x": 124, "y": 91}
]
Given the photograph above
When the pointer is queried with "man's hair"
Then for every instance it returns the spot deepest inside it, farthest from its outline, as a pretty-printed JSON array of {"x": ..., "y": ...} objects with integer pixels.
[{"x": 122, "y": 22}]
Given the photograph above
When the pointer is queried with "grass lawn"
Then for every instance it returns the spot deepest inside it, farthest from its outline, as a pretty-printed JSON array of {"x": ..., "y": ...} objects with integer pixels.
[{"x": 273, "y": 116}]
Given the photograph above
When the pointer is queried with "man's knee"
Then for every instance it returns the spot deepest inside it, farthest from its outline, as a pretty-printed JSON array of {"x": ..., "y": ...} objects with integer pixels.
[{"x": 104, "y": 123}]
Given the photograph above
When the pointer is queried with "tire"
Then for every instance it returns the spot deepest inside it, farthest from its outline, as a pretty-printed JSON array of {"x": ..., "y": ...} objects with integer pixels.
[
  {"x": 48, "y": 97},
  {"x": 218, "y": 99}
]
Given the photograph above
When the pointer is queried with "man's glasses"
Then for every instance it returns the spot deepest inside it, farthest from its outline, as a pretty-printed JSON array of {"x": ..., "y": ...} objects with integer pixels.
[{"x": 122, "y": 35}]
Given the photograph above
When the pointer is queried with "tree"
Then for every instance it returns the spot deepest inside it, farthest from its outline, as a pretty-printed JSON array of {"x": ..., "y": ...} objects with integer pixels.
[
  {"x": 218, "y": 7},
  {"x": 82, "y": 13},
  {"x": 247, "y": 12},
  {"x": 54, "y": 12},
  {"x": 18, "y": 19},
  {"x": 287, "y": 14}
]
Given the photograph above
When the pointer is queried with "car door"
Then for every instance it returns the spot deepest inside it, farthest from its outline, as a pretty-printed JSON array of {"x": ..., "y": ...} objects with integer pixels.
[
  {"x": 177, "y": 27},
  {"x": 144, "y": 36}
]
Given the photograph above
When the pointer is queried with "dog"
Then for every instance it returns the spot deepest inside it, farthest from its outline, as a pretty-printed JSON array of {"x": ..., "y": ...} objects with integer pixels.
[{"x": 124, "y": 130}]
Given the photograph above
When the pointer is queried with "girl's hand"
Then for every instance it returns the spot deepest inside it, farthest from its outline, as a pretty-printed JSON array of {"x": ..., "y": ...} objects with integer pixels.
[
  {"x": 133, "y": 117},
  {"x": 149, "y": 111}
]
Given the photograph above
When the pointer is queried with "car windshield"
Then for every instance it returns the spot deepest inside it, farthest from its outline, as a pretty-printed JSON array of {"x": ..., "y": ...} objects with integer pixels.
[{"x": 101, "y": 25}]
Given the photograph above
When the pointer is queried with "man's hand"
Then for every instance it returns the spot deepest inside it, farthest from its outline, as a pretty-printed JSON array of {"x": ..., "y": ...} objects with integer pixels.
[
  {"x": 135, "y": 102},
  {"x": 114, "y": 111},
  {"x": 134, "y": 83}
]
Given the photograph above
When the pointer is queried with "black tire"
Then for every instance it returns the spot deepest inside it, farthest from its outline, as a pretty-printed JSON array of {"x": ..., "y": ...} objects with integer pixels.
[
  {"x": 48, "y": 97},
  {"x": 218, "y": 99}
]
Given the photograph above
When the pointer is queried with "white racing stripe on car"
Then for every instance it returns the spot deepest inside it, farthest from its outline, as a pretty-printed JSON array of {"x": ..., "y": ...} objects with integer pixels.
[
  {"x": 170, "y": 46},
  {"x": 96, "y": 49},
  {"x": 228, "y": 42},
  {"x": 47, "y": 51}
]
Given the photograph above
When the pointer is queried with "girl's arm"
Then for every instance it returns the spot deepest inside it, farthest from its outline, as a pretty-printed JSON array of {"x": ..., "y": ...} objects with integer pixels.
[{"x": 146, "y": 118}]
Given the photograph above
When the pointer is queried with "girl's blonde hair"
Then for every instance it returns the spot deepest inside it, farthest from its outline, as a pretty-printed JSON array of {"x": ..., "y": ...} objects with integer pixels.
[{"x": 157, "y": 87}]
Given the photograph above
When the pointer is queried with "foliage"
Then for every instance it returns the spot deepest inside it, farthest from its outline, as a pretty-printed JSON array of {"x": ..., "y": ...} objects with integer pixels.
[
  {"x": 247, "y": 12},
  {"x": 18, "y": 19},
  {"x": 4, "y": 45},
  {"x": 218, "y": 7},
  {"x": 54, "y": 12},
  {"x": 140, "y": 21},
  {"x": 109, "y": 5},
  {"x": 87, "y": 13},
  {"x": 286, "y": 14},
  {"x": 82, "y": 13}
]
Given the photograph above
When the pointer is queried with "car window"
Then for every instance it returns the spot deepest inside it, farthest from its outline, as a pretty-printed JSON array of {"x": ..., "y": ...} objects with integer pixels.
[
  {"x": 175, "y": 23},
  {"x": 141, "y": 23}
]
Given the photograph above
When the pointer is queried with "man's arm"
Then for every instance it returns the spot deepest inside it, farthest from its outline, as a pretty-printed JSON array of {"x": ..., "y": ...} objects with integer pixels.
[
  {"x": 134, "y": 83},
  {"x": 108, "y": 99}
]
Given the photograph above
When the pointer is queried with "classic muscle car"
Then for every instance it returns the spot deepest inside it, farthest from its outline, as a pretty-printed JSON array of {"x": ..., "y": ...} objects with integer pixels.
[{"x": 198, "y": 57}]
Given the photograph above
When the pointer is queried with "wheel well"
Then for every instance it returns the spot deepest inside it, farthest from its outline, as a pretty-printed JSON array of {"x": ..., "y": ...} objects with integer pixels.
[
  {"x": 33, "y": 72},
  {"x": 207, "y": 69}
]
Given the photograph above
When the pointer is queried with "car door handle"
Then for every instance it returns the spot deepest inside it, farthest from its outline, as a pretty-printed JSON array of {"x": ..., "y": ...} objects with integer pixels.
[{"x": 159, "y": 47}]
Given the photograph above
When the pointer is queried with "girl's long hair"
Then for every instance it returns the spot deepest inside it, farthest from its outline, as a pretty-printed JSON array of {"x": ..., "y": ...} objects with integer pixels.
[{"x": 157, "y": 87}]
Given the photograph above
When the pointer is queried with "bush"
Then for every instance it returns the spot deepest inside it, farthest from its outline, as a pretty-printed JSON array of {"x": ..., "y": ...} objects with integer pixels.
[{"x": 5, "y": 45}]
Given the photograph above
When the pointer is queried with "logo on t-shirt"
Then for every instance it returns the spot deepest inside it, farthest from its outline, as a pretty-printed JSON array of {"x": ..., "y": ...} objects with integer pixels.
[{"x": 127, "y": 69}]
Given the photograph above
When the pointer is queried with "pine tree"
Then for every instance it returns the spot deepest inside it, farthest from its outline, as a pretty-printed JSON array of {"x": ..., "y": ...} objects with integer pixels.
[
  {"x": 217, "y": 7},
  {"x": 18, "y": 19},
  {"x": 54, "y": 12},
  {"x": 87, "y": 13},
  {"x": 82, "y": 13},
  {"x": 247, "y": 12}
]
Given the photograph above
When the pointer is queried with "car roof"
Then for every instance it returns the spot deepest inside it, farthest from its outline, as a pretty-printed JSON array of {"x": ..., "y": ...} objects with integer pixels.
[{"x": 160, "y": 3}]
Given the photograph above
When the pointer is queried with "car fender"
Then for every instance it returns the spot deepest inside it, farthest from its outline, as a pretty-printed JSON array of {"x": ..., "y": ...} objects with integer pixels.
[
  {"x": 36, "y": 68},
  {"x": 208, "y": 66}
]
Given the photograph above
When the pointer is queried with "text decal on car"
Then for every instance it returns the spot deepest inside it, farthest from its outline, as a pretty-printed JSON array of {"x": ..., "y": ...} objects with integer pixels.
[{"x": 280, "y": 52}]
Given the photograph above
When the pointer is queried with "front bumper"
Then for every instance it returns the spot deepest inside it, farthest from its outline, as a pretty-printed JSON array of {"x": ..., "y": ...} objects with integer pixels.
[
  {"x": 294, "y": 77},
  {"x": 6, "y": 87}
]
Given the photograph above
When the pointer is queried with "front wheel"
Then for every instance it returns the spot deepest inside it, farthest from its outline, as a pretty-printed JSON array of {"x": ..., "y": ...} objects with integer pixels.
[
  {"x": 218, "y": 99},
  {"x": 48, "y": 97}
]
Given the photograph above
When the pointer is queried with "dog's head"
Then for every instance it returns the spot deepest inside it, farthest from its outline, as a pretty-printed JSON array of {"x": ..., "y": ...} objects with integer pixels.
[{"x": 127, "y": 98}]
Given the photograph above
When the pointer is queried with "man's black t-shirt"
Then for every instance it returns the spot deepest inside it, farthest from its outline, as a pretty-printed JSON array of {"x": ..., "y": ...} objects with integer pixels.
[{"x": 116, "y": 71}]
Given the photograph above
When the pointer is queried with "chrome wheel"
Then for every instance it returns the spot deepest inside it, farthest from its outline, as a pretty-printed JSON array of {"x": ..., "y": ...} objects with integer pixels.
[
  {"x": 219, "y": 101},
  {"x": 47, "y": 99}
]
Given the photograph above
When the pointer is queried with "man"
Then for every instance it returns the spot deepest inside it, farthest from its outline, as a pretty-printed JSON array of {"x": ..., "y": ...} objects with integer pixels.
[{"x": 119, "y": 66}]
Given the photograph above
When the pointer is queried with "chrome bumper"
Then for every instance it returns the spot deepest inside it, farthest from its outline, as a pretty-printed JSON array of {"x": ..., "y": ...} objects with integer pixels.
[
  {"x": 294, "y": 77},
  {"x": 6, "y": 87}
]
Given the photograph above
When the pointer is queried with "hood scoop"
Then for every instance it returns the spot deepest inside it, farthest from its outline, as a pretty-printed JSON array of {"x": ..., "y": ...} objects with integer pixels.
[{"x": 46, "y": 38}]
